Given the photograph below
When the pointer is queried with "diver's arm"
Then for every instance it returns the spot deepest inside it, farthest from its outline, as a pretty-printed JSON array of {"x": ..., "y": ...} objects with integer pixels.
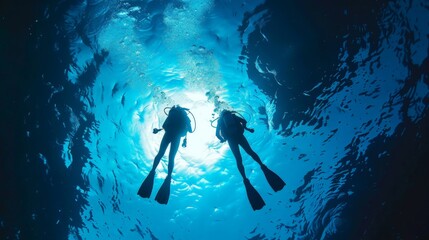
[
  {"x": 218, "y": 133},
  {"x": 241, "y": 120},
  {"x": 249, "y": 129},
  {"x": 188, "y": 125},
  {"x": 166, "y": 123},
  {"x": 244, "y": 123},
  {"x": 156, "y": 130}
]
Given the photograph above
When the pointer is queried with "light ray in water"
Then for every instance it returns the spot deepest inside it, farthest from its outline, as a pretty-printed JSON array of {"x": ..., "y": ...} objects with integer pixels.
[{"x": 337, "y": 94}]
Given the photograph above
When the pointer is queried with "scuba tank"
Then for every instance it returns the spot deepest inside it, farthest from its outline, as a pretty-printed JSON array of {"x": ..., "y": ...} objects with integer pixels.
[
  {"x": 179, "y": 109},
  {"x": 229, "y": 121}
]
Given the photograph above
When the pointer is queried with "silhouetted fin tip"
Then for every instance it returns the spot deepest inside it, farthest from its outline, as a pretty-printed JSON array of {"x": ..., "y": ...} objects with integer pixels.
[
  {"x": 273, "y": 179},
  {"x": 164, "y": 192},
  {"x": 254, "y": 197},
  {"x": 145, "y": 189}
]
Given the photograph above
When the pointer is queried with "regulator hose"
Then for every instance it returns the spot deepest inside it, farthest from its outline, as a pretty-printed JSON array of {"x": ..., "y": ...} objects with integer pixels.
[
  {"x": 211, "y": 122},
  {"x": 188, "y": 111}
]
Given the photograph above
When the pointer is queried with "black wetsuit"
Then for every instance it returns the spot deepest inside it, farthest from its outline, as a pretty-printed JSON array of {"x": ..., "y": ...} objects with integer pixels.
[
  {"x": 176, "y": 126},
  {"x": 231, "y": 128},
  {"x": 232, "y": 131}
]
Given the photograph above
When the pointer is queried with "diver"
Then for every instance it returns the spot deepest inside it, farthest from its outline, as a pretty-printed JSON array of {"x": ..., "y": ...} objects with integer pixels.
[
  {"x": 230, "y": 127},
  {"x": 176, "y": 126}
]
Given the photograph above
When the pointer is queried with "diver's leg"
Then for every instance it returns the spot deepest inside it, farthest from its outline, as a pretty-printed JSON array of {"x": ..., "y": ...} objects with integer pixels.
[
  {"x": 255, "y": 199},
  {"x": 274, "y": 180},
  {"x": 245, "y": 145},
  {"x": 174, "y": 147},
  {"x": 233, "y": 145},
  {"x": 164, "y": 192},
  {"x": 166, "y": 139},
  {"x": 146, "y": 187}
]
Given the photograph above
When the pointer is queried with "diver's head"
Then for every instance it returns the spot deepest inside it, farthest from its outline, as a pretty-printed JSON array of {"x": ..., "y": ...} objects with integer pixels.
[
  {"x": 178, "y": 108},
  {"x": 224, "y": 112}
]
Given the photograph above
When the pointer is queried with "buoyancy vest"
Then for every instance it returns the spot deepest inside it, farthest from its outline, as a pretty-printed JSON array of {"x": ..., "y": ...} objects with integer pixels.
[
  {"x": 177, "y": 122},
  {"x": 231, "y": 125}
]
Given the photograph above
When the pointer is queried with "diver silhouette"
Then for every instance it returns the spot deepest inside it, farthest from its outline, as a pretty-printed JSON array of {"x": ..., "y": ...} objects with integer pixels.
[
  {"x": 176, "y": 126},
  {"x": 230, "y": 127}
]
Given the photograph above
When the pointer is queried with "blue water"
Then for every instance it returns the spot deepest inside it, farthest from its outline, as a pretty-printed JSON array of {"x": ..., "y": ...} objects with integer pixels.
[{"x": 330, "y": 92}]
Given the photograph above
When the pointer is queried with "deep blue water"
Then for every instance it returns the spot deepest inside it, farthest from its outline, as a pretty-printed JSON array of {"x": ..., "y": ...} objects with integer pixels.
[{"x": 337, "y": 92}]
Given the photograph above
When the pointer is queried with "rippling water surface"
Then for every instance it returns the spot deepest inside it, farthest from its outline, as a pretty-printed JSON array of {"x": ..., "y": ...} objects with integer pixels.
[{"x": 337, "y": 94}]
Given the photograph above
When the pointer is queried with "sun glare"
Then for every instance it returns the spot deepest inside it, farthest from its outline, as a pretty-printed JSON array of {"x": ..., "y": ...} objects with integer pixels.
[{"x": 203, "y": 148}]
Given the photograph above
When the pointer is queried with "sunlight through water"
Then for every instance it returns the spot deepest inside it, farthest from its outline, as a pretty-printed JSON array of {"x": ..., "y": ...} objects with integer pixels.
[
  {"x": 335, "y": 95},
  {"x": 202, "y": 55}
]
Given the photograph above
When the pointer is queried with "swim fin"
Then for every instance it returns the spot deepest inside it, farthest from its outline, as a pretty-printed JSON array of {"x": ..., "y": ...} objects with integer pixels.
[
  {"x": 254, "y": 198},
  {"x": 147, "y": 185},
  {"x": 273, "y": 179},
  {"x": 164, "y": 192}
]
